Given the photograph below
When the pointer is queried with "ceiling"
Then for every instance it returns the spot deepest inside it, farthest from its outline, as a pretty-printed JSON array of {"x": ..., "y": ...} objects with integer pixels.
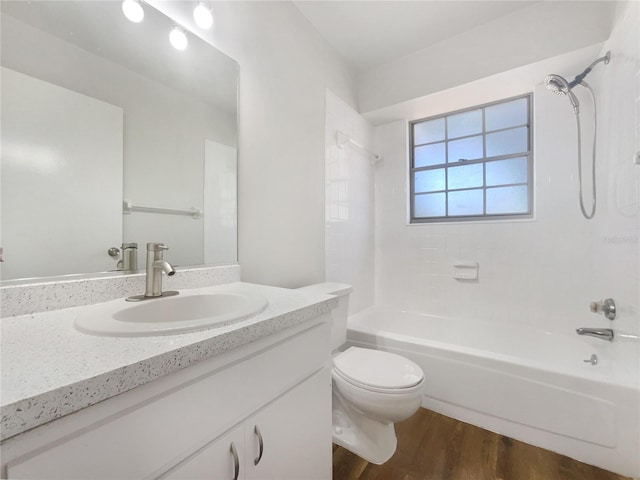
[{"x": 370, "y": 33}]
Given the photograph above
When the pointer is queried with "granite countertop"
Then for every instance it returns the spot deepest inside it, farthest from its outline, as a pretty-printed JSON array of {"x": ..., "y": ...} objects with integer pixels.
[{"x": 49, "y": 369}]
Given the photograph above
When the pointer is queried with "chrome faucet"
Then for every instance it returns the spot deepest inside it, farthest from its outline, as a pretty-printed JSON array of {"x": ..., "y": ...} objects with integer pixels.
[
  {"x": 156, "y": 265},
  {"x": 129, "y": 261},
  {"x": 604, "y": 333}
]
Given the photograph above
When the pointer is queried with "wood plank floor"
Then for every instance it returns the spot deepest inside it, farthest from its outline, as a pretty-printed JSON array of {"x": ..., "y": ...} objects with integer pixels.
[{"x": 435, "y": 447}]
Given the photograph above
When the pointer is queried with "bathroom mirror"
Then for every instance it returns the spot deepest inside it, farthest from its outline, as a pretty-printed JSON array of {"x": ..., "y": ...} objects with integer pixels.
[{"x": 111, "y": 135}]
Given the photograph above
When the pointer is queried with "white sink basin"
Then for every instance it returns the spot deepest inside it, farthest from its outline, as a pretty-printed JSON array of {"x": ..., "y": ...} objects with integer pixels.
[{"x": 169, "y": 315}]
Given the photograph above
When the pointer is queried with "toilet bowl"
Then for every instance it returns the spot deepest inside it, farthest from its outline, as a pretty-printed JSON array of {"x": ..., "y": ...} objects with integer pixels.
[{"x": 371, "y": 389}]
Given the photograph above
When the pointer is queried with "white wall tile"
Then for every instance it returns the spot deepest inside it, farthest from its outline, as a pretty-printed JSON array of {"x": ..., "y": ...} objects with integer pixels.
[{"x": 349, "y": 203}]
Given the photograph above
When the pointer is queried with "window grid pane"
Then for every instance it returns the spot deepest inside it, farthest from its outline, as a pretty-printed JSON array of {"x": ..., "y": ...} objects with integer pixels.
[
  {"x": 430, "y": 154},
  {"x": 469, "y": 148},
  {"x": 506, "y": 142},
  {"x": 429, "y": 181},
  {"x": 477, "y": 160},
  {"x": 505, "y": 172},
  {"x": 464, "y": 124},
  {"x": 465, "y": 176},
  {"x": 507, "y": 114},
  {"x": 466, "y": 202},
  {"x": 429, "y": 131}
]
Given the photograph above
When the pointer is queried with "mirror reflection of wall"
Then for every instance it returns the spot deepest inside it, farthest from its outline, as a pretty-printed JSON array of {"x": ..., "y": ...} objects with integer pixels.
[
  {"x": 172, "y": 105},
  {"x": 58, "y": 177}
]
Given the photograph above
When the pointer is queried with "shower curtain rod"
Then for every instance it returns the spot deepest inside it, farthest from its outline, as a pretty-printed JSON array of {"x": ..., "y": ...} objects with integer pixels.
[{"x": 343, "y": 139}]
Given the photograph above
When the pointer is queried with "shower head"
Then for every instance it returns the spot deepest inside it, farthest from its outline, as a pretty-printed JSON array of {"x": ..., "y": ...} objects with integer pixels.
[
  {"x": 560, "y": 86},
  {"x": 556, "y": 84}
]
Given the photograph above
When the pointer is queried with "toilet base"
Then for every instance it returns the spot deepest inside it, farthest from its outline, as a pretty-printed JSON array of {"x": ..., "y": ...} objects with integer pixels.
[{"x": 370, "y": 439}]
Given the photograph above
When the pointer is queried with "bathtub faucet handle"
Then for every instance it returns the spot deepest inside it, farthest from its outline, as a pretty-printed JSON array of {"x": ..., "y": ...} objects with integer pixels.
[{"x": 607, "y": 307}]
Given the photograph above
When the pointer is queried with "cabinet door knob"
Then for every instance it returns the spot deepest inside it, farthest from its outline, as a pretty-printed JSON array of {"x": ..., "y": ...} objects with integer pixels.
[
  {"x": 236, "y": 461},
  {"x": 256, "y": 431}
]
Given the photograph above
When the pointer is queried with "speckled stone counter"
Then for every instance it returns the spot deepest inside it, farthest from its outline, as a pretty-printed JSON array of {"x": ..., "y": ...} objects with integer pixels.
[
  {"x": 49, "y": 369},
  {"x": 22, "y": 296}
]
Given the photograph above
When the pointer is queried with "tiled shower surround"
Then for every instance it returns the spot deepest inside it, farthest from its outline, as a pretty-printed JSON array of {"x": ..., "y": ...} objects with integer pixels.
[
  {"x": 349, "y": 204},
  {"x": 542, "y": 271}
]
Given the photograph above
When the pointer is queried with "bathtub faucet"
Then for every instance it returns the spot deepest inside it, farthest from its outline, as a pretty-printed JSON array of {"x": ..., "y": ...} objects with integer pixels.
[{"x": 604, "y": 333}]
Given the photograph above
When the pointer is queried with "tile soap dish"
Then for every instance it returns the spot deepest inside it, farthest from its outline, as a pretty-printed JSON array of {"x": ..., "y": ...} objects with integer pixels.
[{"x": 464, "y": 270}]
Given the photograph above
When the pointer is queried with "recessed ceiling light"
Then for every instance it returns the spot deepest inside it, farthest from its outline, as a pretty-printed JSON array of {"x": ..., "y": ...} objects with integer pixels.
[
  {"x": 178, "y": 38},
  {"x": 133, "y": 10},
  {"x": 203, "y": 16}
]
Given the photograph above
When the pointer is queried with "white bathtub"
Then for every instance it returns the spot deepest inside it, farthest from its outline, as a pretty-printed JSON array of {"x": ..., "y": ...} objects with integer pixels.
[{"x": 521, "y": 382}]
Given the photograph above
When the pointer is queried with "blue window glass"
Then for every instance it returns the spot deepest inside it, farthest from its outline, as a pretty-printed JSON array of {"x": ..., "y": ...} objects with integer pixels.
[
  {"x": 427, "y": 155},
  {"x": 430, "y": 131},
  {"x": 469, "y": 148},
  {"x": 504, "y": 172},
  {"x": 465, "y": 176},
  {"x": 507, "y": 141},
  {"x": 464, "y": 124},
  {"x": 466, "y": 202},
  {"x": 429, "y": 180},
  {"x": 507, "y": 114},
  {"x": 430, "y": 205},
  {"x": 501, "y": 200}
]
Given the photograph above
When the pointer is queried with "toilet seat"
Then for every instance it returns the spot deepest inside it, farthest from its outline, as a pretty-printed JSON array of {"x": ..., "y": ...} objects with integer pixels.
[{"x": 378, "y": 371}]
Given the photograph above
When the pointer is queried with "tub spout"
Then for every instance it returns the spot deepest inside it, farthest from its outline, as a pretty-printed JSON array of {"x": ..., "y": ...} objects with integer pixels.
[{"x": 604, "y": 333}]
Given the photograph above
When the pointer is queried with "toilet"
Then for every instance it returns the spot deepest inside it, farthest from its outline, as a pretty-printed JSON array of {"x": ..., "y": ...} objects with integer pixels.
[{"x": 371, "y": 390}]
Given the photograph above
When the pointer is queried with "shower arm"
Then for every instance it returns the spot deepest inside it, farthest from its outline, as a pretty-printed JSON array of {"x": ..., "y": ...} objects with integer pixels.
[{"x": 580, "y": 77}]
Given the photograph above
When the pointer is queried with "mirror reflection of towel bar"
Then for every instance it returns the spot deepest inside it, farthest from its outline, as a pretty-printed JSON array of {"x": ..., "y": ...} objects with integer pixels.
[{"x": 128, "y": 207}]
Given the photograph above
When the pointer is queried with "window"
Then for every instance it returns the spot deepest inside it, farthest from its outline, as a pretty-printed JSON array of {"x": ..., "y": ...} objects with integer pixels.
[{"x": 473, "y": 164}]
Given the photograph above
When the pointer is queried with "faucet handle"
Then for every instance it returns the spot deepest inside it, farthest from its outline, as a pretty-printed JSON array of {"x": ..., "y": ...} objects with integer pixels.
[
  {"x": 607, "y": 307},
  {"x": 156, "y": 247}
]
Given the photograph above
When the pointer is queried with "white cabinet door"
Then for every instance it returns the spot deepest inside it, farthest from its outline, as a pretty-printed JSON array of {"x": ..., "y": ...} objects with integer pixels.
[
  {"x": 296, "y": 434},
  {"x": 222, "y": 459},
  {"x": 290, "y": 438}
]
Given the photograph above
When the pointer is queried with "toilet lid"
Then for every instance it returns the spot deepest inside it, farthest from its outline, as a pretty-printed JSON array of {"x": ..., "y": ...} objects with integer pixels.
[{"x": 377, "y": 369}]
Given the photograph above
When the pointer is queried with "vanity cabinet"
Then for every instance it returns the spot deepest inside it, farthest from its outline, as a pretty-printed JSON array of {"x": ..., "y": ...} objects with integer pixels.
[
  {"x": 183, "y": 425},
  {"x": 278, "y": 442}
]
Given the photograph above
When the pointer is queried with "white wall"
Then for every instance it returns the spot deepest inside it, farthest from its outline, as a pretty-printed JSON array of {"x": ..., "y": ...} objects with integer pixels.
[
  {"x": 285, "y": 67},
  {"x": 536, "y": 32},
  {"x": 349, "y": 203},
  {"x": 543, "y": 271}
]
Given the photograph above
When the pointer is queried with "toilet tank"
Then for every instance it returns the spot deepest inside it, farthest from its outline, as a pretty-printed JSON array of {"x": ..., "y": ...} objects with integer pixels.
[{"x": 340, "y": 313}]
